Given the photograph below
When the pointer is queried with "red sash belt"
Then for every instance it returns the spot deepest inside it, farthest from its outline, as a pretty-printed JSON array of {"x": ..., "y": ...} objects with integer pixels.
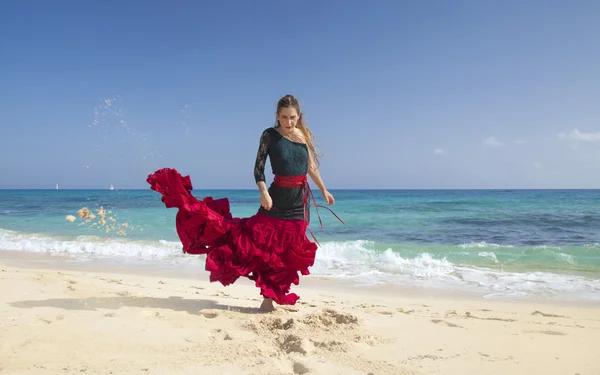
[{"x": 302, "y": 182}]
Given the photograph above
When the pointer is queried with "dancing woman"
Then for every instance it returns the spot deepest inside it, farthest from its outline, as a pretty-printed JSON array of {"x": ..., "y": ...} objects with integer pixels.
[{"x": 270, "y": 247}]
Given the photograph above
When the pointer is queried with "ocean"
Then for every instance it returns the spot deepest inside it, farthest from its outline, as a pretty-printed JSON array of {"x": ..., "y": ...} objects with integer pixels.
[{"x": 534, "y": 244}]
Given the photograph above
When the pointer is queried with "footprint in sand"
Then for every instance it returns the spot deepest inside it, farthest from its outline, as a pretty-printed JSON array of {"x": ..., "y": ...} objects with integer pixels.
[
  {"x": 547, "y": 332},
  {"x": 366, "y": 306},
  {"x": 278, "y": 324},
  {"x": 221, "y": 334},
  {"x": 447, "y": 324},
  {"x": 295, "y": 344},
  {"x": 367, "y": 339},
  {"x": 209, "y": 314},
  {"x": 332, "y": 345},
  {"x": 299, "y": 368},
  {"x": 149, "y": 313},
  {"x": 468, "y": 315},
  {"x": 536, "y": 312},
  {"x": 322, "y": 332},
  {"x": 491, "y": 358},
  {"x": 330, "y": 318},
  {"x": 220, "y": 294}
]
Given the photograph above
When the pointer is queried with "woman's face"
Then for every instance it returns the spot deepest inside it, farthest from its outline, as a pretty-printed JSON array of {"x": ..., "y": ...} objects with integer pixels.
[{"x": 288, "y": 118}]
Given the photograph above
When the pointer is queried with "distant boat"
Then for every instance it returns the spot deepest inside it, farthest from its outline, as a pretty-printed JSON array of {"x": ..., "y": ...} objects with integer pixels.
[
  {"x": 111, "y": 187},
  {"x": 56, "y": 186}
]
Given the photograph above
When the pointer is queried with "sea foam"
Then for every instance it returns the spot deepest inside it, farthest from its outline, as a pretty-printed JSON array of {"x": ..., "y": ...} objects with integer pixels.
[{"x": 360, "y": 261}]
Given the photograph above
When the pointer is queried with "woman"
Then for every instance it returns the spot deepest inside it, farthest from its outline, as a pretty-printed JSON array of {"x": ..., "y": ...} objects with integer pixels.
[{"x": 270, "y": 247}]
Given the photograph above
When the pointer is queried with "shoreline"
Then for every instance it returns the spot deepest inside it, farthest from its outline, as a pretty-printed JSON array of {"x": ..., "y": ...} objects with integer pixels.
[
  {"x": 194, "y": 270},
  {"x": 479, "y": 269}
]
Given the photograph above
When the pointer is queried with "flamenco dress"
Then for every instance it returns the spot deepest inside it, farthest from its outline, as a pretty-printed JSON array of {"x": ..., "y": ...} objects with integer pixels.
[{"x": 271, "y": 247}]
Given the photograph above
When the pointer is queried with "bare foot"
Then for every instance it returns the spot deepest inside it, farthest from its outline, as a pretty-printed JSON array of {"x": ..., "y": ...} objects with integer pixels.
[{"x": 267, "y": 305}]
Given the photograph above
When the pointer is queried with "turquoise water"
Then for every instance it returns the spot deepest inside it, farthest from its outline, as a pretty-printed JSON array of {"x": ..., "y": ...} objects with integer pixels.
[{"x": 530, "y": 243}]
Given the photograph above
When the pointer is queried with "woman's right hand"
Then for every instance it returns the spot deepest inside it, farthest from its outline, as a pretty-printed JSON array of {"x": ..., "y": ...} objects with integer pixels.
[{"x": 266, "y": 201}]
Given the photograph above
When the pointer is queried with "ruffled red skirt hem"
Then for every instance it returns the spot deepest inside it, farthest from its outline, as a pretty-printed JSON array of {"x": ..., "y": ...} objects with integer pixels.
[{"x": 270, "y": 251}]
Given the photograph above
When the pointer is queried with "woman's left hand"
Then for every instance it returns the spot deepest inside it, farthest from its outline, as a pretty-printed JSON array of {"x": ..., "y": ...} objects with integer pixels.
[{"x": 328, "y": 197}]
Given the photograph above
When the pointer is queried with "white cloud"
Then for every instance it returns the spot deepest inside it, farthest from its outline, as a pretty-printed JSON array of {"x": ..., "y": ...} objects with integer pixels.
[
  {"x": 492, "y": 142},
  {"x": 537, "y": 164},
  {"x": 576, "y": 135},
  {"x": 438, "y": 151},
  {"x": 521, "y": 141}
]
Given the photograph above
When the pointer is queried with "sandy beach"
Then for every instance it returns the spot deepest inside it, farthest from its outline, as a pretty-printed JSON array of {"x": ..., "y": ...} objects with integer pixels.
[{"x": 66, "y": 319}]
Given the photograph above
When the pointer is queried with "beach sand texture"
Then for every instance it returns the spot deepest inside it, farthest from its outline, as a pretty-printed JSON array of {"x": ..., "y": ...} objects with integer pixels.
[{"x": 75, "y": 321}]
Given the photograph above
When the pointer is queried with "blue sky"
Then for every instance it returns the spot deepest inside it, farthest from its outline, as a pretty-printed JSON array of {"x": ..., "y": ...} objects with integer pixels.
[{"x": 436, "y": 94}]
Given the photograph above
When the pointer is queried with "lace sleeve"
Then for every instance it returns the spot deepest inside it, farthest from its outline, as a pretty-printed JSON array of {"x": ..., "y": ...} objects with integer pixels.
[{"x": 261, "y": 157}]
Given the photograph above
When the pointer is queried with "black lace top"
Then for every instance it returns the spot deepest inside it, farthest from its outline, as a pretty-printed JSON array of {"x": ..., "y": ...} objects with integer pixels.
[{"x": 287, "y": 159}]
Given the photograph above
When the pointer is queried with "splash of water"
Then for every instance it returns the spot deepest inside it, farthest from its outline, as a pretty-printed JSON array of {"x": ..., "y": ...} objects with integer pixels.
[{"x": 101, "y": 221}]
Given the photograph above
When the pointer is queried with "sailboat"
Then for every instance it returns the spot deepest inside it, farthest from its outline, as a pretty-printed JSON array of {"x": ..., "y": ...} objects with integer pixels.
[
  {"x": 56, "y": 186},
  {"x": 111, "y": 187}
]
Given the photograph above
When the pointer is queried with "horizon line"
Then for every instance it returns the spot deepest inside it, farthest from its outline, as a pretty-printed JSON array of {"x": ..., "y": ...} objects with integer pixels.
[{"x": 331, "y": 189}]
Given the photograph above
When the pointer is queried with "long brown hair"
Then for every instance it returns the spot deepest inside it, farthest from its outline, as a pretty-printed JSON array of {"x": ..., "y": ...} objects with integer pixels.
[{"x": 289, "y": 101}]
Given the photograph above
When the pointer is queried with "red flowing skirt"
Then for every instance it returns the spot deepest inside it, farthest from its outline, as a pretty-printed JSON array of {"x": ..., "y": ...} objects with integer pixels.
[{"x": 270, "y": 251}]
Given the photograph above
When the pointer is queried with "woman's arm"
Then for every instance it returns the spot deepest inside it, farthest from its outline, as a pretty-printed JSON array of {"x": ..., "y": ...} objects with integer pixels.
[
  {"x": 313, "y": 172},
  {"x": 262, "y": 187},
  {"x": 259, "y": 170}
]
